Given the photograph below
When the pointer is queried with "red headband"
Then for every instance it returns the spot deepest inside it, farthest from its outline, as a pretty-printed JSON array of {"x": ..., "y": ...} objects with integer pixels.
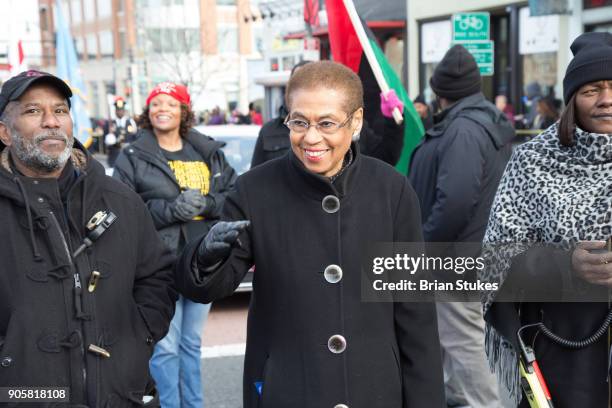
[{"x": 178, "y": 92}]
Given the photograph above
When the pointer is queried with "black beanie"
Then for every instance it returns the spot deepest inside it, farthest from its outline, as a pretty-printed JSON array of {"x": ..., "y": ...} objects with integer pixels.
[
  {"x": 457, "y": 75},
  {"x": 592, "y": 62}
]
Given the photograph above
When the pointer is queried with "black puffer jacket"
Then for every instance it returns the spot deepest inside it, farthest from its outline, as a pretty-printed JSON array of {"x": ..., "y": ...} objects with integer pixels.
[
  {"x": 46, "y": 325},
  {"x": 143, "y": 167},
  {"x": 457, "y": 167}
]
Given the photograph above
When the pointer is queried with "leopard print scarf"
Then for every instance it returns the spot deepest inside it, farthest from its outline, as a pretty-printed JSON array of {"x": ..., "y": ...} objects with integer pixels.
[{"x": 550, "y": 194}]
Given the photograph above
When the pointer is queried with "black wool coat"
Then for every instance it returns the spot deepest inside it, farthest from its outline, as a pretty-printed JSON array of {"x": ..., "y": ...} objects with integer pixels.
[
  {"x": 47, "y": 324},
  {"x": 143, "y": 167},
  {"x": 392, "y": 355}
]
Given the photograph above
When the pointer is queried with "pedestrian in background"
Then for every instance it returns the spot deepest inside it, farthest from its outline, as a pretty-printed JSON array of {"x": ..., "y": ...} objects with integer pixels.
[
  {"x": 455, "y": 172},
  {"x": 501, "y": 103},
  {"x": 122, "y": 131},
  {"x": 86, "y": 286},
  {"x": 217, "y": 117},
  {"x": 311, "y": 339},
  {"x": 424, "y": 111},
  {"x": 547, "y": 113},
  {"x": 255, "y": 114},
  {"x": 183, "y": 177},
  {"x": 556, "y": 193}
]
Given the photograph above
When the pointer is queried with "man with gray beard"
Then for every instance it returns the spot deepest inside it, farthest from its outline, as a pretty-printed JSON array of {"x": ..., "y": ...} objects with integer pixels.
[{"x": 86, "y": 286}]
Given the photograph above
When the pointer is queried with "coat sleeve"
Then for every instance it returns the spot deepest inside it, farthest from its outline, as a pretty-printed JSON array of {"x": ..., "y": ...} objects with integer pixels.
[
  {"x": 154, "y": 289},
  {"x": 208, "y": 286},
  {"x": 384, "y": 142},
  {"x": 224, "y": 183},
  {"x": 458, "y": 184},
  {"x": 160, "y": 209},
  {"x": 416, "y": 325}
]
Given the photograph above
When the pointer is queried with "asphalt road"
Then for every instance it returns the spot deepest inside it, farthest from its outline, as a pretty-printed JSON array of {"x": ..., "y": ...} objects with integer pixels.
[{"x": 223, "y": 342}]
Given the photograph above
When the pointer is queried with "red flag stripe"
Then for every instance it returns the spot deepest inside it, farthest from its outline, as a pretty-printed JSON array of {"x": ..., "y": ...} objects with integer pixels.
[
  {"x": 20, "y": 52},
  {"x": 343, "y": 40},
  {"x": 311, "y": 12}
]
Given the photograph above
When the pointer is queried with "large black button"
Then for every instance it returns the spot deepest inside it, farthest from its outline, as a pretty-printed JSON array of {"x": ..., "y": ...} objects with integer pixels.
[
  {"x": 330, "y": 204},
  {"x": 6, "y": 362},
  {"x": 149, "y": 340}
]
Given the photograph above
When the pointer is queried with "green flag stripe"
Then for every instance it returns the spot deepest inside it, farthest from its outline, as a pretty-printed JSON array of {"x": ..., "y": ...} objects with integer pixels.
[{"x": 413, "y": 127}]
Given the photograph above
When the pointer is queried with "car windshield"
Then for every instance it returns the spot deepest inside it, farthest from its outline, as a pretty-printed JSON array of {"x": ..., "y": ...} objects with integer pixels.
[{"x": 238, "y": 151}]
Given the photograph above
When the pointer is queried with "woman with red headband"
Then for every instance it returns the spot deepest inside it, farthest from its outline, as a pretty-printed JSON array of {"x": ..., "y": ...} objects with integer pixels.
[{"x": 183, "y": 177}]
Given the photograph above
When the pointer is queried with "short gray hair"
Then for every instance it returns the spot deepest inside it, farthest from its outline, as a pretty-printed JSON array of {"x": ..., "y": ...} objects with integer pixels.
[{"x": 7, "y": 115}]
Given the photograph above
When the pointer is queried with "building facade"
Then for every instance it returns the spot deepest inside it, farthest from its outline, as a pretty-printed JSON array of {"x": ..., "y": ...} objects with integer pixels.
[
  {"x": 528, "y": 49},
  {"x": 20, "y": 25},
  {"x": 127, "y": 46}
]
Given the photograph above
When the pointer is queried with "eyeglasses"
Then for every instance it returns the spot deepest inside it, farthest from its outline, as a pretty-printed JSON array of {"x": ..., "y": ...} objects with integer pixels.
[{"x": 327, "y": 127}]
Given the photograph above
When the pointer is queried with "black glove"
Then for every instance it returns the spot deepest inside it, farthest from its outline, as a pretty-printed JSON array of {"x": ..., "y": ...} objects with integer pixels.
[
  {"x": 189, "y": 204},
  {"x": 217, "y": 244}
]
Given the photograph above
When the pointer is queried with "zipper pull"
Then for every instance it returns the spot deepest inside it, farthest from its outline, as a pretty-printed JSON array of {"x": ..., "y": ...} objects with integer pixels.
[
  {"x": 93, "y": 281},
  {"x": 78, "y": 301},
  {"x": 77, "y": 281}
]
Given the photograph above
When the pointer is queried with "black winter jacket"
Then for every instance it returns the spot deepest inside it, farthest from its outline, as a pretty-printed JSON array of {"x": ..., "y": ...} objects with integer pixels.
[
  {"x": 455, "y": 170},
  {"x": 48, "y": 316},
  {"x": 392, "y": 356},
  {"x": 143, "y": 167},
  {"x": 383, "y": 141}
]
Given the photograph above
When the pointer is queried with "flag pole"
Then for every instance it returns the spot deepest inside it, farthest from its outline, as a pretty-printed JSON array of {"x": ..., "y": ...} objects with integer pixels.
[{"x": 369, "y": 53}]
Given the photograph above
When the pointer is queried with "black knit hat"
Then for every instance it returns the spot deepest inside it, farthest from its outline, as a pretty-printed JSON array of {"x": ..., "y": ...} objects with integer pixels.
[
  {"x": 457, "y": 75},
  {"x": 592, "y": 62}
]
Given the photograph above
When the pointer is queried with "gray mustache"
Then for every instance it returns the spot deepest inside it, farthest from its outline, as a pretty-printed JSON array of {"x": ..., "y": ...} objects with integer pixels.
[{"x": 54, "y": 134}]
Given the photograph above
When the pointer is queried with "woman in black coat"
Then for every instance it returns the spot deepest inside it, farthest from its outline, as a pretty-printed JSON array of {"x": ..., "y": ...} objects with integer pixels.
[
  {"x": 183, "y": 178},
  {"x": 312, "y": 341},
  {"x": 546, "y": 242}
]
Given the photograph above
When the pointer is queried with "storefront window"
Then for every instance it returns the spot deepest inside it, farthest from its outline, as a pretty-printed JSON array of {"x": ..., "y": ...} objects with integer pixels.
[
  {"x": 436, "y": 39},
  {"x": 394, "y": 51},
  {"x": 599, "y": 28},
  {"x": 92, "y": 46},
  {"x": 538, "y": 45}
]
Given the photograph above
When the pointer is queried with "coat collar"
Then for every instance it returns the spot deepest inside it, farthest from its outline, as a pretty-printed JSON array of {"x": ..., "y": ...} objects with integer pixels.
[
  {"x": 315, "y": 186},
  {"x": 148, "y": 149},
  {"x": 443, "y": 119}
]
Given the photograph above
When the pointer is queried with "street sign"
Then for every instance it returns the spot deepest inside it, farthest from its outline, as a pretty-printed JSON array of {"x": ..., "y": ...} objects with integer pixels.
[
  {"x": 483, "y": 53},
  {"x": 471, "y": 26}
]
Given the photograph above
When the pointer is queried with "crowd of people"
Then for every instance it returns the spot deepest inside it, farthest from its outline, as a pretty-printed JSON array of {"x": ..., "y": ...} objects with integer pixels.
[{"x": 106, "y": 282}]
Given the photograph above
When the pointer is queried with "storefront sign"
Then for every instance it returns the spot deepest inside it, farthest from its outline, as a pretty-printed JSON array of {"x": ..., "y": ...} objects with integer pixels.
[
  {"x": 436, "y": 39},
  {"x": 537, "y": 34},
  {"x": 483, "y": 53},
  {"x": 471, "y": 27}
]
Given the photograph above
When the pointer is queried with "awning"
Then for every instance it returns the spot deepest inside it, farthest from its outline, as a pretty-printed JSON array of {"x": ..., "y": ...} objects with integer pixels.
[
  {"x": 387, "y": 10},
  {"x": 322, "y": 31}
]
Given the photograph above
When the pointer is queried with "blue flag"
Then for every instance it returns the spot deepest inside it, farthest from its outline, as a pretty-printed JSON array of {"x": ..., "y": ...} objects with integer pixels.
[{"x": 68, "y": 69}]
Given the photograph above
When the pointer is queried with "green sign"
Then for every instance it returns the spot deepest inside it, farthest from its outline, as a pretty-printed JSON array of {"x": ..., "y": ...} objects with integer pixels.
[
  {"x": 483, "y": 54},
  {"x": 471, "y": 26}
]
